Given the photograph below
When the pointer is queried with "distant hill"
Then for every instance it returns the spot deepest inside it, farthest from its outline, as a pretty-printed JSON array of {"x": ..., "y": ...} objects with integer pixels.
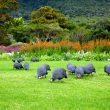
[{"x": 71, "y": 8}]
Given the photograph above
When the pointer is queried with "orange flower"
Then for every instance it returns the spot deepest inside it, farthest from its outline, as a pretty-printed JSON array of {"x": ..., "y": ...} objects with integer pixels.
[{"x": 73, "y": 45}]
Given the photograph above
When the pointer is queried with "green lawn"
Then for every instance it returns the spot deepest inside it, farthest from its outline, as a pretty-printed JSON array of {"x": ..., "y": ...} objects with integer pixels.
[{"x": 20, "y": 90}]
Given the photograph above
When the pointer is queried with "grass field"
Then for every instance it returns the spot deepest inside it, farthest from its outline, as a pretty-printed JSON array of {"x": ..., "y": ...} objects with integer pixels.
[{"x": 20, "y": 90}]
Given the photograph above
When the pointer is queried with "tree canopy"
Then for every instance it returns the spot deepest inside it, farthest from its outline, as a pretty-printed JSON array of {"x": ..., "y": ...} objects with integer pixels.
[
  {"x": 7, "y": 6},
  {"x": 49, "y": 15}
]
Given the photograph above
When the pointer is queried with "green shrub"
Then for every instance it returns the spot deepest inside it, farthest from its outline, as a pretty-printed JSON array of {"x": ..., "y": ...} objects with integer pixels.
[
  {"x": 100, "y": 49},
  {"x": 67, "y": 56},
  {"x": 58, "y": 57}
]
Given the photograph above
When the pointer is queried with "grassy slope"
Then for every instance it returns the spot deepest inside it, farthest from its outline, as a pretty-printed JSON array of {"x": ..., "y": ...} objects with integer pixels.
[{"x": 20, "y": 90}]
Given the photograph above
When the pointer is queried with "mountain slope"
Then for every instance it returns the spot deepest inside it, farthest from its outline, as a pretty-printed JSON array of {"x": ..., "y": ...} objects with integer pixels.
[{"x": 71, "y": 8}]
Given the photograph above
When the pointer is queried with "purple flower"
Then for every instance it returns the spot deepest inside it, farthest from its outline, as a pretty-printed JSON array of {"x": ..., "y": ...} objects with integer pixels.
[{"x": 9, "y": 49}]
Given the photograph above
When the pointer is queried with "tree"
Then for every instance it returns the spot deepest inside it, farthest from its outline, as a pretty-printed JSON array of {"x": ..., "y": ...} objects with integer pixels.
[
  {"x": 101, "y": 30},
  {"x": 6, "y": 7},
  {"x": 49, "y": 15}
]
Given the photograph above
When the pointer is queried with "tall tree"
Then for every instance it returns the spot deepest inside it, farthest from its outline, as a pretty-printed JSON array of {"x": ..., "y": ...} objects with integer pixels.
[
  {"x": 49, "y": 15},
  {"x": 6, "y": 7}
]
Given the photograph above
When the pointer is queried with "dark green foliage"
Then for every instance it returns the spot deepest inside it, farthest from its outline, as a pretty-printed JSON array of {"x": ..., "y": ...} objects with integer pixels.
[
  {"x": 4, "y": 38},
  {"x": 101, "y": 29},
  {"x": 21, "y": 36},
  {"x": 71, "y": 8}
]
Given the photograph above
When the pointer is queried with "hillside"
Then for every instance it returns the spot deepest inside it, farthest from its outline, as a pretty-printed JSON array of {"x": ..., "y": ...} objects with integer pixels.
[{"x": 71, "y": 8}]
